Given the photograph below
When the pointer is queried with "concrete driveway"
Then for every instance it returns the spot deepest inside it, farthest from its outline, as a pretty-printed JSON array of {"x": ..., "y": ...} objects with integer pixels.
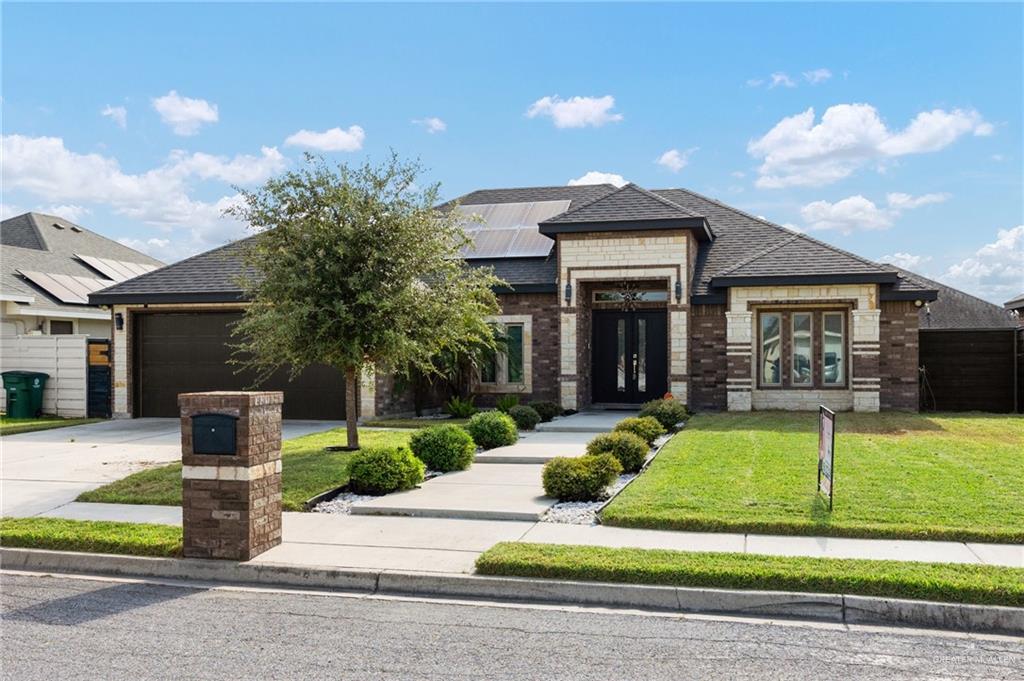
[{"x": 42, "y": 471}]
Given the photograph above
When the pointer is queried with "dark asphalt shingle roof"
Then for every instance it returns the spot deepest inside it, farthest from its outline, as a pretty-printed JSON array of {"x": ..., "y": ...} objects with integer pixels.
[
  {"x": 1014, "y": 303},
  {"x": 955, "y": 309},
  {"x": 523, "y": 271},
  {"x": 578, "y": 194},
  {"x": 628, "y": 203}
]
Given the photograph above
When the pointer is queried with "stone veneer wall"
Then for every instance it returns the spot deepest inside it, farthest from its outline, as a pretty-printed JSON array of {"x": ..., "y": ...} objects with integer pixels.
[
  {"x": 898, "y": 364},
  {"x": 709, "y": 366}
]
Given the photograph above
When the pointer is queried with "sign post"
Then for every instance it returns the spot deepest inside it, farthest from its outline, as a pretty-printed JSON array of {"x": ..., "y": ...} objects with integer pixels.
[{"x": 826, "y": 451}]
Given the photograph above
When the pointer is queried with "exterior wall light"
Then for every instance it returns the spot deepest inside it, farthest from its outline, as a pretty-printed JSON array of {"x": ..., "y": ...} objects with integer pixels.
[
  {"x": 568, "y": 293},
  {"x": 679, "y": 291},
  {"x": 119, "y": 321}
]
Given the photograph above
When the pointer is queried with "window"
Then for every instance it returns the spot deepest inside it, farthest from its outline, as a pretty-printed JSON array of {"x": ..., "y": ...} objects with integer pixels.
[
  {"x": 636, "y": 297},
  {"x": 59, "y": 328},
  {"x": 771, "y": 349},
  {"x": 507, "y": 365},
  {"x": 832, "y": 348},
  {"x": 803, "y": 371}
]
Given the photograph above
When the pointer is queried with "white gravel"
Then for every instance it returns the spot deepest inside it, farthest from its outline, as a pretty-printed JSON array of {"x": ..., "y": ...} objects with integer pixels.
[
  {"x": 341, "y": 504},
  {"x": 583, "y": 512}
]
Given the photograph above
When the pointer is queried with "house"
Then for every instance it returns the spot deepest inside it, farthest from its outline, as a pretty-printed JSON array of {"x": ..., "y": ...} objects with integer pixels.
[
  {"x": 50, "y": 266},
  {"x": 1016, "y": 307},
  {"x": 614, "y": 296}
]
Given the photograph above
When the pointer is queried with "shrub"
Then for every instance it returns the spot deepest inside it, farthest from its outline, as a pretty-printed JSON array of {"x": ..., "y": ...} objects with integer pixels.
[
  {"x": 491, "y": 429},
  {"x": 506, "y": 402},
  {"x": 627, "y": 448},
  {"x": 443, "y": 448},
  {"x": 546, "y": 410},
  {"x": 381, "y": 470},
  {"x": 582, "y": 478},
  {"x": 526, "y": 418},
  {"x": 668, "y": 412},
  {"x": 647, "y": 427},
  {"x": 460, "y": 408}
]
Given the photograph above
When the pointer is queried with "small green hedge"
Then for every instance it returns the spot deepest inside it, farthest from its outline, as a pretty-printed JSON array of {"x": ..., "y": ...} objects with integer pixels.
[
  {"x": 505, "y": 403},
  {"x": 382, "y": 470},
  {"x": 58, "y": 534},
  {"x": 668, "y": 412},
  {"x": 443, "y": 448},
  {"x": 526, "y": 418},
  {"x": 582, "y": 478},
  {"x": 647, "y": 428},
  {"x": 490, "y": 429},
  {"x": 627, "y": 448},
  {"x": 546, "y": 410}
]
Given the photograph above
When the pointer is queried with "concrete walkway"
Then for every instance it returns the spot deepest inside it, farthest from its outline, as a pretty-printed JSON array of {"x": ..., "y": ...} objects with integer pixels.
[
  {"x": 44, "y": 470},
  {"x": 452, "y": 545}
]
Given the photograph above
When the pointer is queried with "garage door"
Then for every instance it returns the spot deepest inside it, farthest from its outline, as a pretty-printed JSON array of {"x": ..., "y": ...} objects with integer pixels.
[{"x": 189, "y": 352}]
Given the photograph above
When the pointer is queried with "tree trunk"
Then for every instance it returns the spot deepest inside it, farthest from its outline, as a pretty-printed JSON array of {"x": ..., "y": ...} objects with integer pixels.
[{"x": 352, "y": 406}]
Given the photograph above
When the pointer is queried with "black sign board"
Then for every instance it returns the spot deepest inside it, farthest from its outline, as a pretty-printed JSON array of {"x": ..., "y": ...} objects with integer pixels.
[{"x": 826, "y": 451}]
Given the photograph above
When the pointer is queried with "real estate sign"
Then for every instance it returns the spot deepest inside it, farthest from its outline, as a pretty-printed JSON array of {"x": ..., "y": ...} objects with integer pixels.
[{"x": 826, "y": 451}]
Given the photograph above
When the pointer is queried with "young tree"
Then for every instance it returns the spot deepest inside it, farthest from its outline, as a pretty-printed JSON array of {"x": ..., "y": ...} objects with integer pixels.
[{"x": 356, "y": 268}]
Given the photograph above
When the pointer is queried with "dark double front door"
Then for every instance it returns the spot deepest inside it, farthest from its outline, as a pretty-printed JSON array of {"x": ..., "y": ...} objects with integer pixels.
[{"x": 629, "y": 363}]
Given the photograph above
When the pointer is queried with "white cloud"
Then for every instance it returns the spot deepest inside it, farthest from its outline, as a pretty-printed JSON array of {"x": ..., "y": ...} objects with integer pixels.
[
  {"x": 995, "y": 271},
  {"x": 242, "y": 169},
  {"x": 576, "y": 112},
  {"x": 675, "y": 160},
  {"x": 184, "y": 114},
  {"x": 738, "y": 174},
  {"x": 800, "y": 152},
  {"x": 72, "y": 213},
  {"x": 905, "y": 261},
  {"x": 597, "y": 177},
  {"x": 334, "y": 139},
  {"x": 755, "y": 82},
  {"x": 118, "y": 114},
  {"x": 859, "y": 213},
  {"x": 817, "y": 76},
  {"x": 779, "y": 78},
  {"x": 433, "y": 124}
]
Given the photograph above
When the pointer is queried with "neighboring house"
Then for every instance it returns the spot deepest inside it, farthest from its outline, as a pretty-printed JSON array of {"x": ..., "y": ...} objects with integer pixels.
[
  {"x": 614, "y": 296},
  {"x": 49, "y": 268},
  {"x": 1016, "y": 307}
]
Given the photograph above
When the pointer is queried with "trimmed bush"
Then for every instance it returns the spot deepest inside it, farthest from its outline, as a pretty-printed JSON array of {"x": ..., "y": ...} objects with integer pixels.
[
  {"x": 582, "y": 478},
  {"x": 506, "y": 402},
  {"x": 443, "y": 448},
  {"x": 627, "y": 448},
  {"x": 668, "y": 412},
  {"x": 526, "y": 418},
  {"x": 647, "y": 427},
  {"x": 382, "y": 470},
  {"x": 546, "y": 410},
  {"x": 490, "y": 429},
  {"x": 460, "y": 408}
]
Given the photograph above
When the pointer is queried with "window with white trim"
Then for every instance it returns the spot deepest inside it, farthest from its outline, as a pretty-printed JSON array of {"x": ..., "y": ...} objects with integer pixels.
[
  {"x": 801, "y": 359},
  {"x": 771, "y": 348},
  {"x": 508, "y": 368},
  {"x": 833, "y": 343}
]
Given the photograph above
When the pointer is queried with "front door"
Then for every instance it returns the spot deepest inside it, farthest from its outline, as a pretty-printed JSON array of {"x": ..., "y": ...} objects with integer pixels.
[{"x": 630, "y": 356}]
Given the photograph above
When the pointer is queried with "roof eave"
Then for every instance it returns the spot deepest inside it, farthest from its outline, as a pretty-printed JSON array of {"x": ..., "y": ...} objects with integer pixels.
[
  {"x": 848, "y": 278},
  {"x": 698, "y": 224},
  {"x": 525, "y": 288},
  {"x": 924, "y": 295},
  {"x": 102, "y": 298}
]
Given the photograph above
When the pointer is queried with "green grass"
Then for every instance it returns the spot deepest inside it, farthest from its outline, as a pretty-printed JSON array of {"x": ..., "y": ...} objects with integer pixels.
[
  {"x": 413, "y": 423},
  {"x": 57, "y": 534},
  {"x": 985, "y": 584},
  {"x": 307, "y": 470},
  {"x": 9, "y": 426},
  {"x": 914, "y": 476}
]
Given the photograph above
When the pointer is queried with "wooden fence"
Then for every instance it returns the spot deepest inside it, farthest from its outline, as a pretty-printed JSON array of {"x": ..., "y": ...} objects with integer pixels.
[{"x": 970, "y": 370}]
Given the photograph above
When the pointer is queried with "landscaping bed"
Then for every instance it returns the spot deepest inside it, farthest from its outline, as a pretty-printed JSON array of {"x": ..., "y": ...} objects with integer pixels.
[
  {"x": 58, "y": 534},
  {"x": 981, "y": 584},
  {"x": 307, "y": 470},
  {"x": 953, "y": 477},
  {"x": 9, "y": 426},
  {"x": 415, "y": 422}
]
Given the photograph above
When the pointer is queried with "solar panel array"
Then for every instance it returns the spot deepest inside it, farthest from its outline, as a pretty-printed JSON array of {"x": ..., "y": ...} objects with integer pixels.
[
  {"x": 65, "y": 287},
  {"x": 509, "y": 230},
  {"x": 116, "y": 270}
]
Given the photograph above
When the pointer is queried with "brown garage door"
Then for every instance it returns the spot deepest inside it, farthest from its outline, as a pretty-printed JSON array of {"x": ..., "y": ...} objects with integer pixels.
[{"x": 189, "y": 352}]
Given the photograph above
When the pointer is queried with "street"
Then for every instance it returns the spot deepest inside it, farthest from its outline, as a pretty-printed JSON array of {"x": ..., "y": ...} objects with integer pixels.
[{"x": 61, "y": 627}]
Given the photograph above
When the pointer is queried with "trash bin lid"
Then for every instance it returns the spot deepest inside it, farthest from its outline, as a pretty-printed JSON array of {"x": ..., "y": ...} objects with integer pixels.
[
  {"x": 15, "y": 379},
  {"x": 24, "y": 374}
]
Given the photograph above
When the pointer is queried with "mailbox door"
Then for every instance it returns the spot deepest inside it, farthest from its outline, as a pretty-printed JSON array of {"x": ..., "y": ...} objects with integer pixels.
[{"x": 214, "y": 434}]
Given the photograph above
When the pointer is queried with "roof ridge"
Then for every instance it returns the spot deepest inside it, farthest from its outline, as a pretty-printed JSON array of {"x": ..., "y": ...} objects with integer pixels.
[
  {"x": 541, "y": 186},
  {"x": 769, "y": 223},
  {"x": 662, "y": 199},
  {"x": 35, "y": 215},
  {"x": 757, "y": 256},
  {"x": 590, "y": 202},
  {"x": 39, "y": 232}
]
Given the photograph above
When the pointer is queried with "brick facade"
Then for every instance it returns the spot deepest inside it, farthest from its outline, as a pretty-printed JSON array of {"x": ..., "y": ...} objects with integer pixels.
[
  {"x": 709, "y": 365},
  {"x": 231, "y": 504},
  {"x": 898, "y": 361}
]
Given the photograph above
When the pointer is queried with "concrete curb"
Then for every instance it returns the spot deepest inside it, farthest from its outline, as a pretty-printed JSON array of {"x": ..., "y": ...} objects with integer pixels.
[{"x": 827, "y": 607}]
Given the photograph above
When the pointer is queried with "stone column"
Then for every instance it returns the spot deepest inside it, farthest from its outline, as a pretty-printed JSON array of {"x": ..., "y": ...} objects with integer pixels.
[
  {"x": 865, "y": 374},
  {"x": 568, "y": 378},
  {"x": 739, "y": 346},
  {"x": 231, "y": 502}
]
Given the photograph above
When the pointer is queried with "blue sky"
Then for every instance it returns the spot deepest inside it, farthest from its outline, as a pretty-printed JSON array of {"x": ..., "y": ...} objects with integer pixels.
[{"x": 889, "y": 130}]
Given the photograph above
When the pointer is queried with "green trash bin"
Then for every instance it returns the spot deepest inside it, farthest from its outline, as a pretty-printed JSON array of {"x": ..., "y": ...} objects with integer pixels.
[{"x": 24, "y": 393}]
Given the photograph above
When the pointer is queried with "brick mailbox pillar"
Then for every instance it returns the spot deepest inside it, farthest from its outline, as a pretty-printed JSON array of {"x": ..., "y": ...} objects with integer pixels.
[{"x": 231, "y": 473}]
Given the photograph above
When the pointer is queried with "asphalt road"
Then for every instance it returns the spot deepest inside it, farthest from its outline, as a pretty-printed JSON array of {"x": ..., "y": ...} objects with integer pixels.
[{"x": 59, "y": 627}]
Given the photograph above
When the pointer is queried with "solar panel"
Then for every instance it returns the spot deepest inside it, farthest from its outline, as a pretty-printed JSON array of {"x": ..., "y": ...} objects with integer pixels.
[
  {"x": 509, "y": 230},
  {"x": 116, "y": 270},
  {"x": 66, "y": 288}
]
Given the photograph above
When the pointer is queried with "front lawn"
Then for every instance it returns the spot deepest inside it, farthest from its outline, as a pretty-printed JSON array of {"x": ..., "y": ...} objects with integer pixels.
[
  {"x": 985, "y": 584},
  {"x": 307, "y": 469},
  {"x": 914, "y": 476},
  {"x": 413, "y": 422},
  {"x": 58, "y": 534},
  {"x": 9, "y": 426}
]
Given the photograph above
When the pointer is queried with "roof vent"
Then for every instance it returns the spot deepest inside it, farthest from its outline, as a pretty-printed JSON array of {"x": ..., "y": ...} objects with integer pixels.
[
  {"x": 75, "y": 228},
  {"x": 58, "y": 225}
]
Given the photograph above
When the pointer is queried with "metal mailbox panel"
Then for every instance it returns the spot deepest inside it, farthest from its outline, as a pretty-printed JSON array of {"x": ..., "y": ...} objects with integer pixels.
[{"x": 214, "y": 434}]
